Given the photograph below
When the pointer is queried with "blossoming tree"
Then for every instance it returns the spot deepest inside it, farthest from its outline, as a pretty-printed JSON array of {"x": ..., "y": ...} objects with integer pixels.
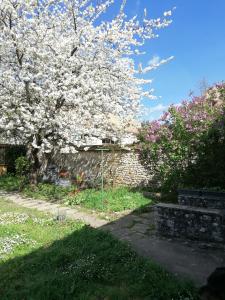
[
  {"x": 185, "y": 147},
  {"x": 63, "y": 70}
]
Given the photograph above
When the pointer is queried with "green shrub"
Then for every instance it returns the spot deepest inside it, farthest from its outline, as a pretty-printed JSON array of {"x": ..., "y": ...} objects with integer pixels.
[
  {"x": 186, "y": 146},
  {"x": 9, "y": 183},
  {"x": 22, "y": 170},
  {"x": 22, "y": 166},
  {"x": 12, "y": 153},
  {"x": 47, "y": 191}
]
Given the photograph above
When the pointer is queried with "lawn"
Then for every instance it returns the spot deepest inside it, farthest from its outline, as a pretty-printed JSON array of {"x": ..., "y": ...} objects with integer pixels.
[
  {"x": 110, "y": 201},
  {"x": 41, "y": 258}
]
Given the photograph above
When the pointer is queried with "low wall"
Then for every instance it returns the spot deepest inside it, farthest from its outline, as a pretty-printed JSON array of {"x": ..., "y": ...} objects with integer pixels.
[
  {"x": 190, "y": 222},
  {"x": 120, "y": 167},
  {"x": 201, "y": 198}
]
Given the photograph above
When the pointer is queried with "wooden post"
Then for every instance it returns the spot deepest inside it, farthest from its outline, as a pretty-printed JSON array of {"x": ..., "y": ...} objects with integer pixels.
[
  {"x": 3, "y": 170},
  {"x": 3, "y": 166}
]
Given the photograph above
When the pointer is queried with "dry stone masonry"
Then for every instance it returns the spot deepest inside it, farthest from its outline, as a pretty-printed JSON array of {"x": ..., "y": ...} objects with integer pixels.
[
  {"x": 207, "y": 199},
  {"x": 121, "y": 167},
  {"x": 200, "y": 215}
]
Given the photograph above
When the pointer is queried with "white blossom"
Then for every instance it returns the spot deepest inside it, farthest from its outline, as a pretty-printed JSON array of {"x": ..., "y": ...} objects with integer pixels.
[{"x": 63, "y": 71}]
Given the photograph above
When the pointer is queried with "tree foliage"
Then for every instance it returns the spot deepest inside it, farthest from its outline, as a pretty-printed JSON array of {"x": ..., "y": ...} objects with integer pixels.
[
  {"x": 65, "y": 71},
  {"x": 186, "y": 146}
]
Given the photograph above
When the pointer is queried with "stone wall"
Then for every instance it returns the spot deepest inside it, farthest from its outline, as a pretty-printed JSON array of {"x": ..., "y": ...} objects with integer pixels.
[
  {"x": 120, "y": 167},
  {"x": 201, "y": 198},
  {"x": 190, "y": 222}
]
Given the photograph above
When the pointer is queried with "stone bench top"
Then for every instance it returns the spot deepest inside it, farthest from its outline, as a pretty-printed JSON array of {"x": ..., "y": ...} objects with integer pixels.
[
  {"x": 191, "y": 209},
  {"x": 200, "y": 197},
  {"x": 201, "y": 193}
]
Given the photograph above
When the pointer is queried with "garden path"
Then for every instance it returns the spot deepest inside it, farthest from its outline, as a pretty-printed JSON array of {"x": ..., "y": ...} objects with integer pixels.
[
  {"x": 55, "y": 209},
  {"x": 190, "y": 260}
]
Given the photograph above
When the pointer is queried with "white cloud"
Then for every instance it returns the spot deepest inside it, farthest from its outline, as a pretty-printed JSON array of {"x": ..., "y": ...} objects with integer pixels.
[
  {"x": 154, "y": 61},
  {"x": 167, "y": 13},
  {"x": 158, "y": 108},
  {"x": 154, "y": 112}
]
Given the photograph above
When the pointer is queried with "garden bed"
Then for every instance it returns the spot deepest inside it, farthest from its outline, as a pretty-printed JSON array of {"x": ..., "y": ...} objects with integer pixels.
[{"x": 109, "y": 204}]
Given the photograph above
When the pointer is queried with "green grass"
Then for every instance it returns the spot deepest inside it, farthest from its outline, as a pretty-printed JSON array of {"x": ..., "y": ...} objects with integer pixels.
[
  {"x": 68, "y": 260},
  {"x": 111, "y": 200}
]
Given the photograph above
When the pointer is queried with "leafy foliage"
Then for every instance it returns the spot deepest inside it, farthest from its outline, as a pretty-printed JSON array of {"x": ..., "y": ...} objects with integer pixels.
[
  {"x": 186, "y": 146},
  {"x": 47, "y": 191},
  {"x": 22, "y": 170},
  {"x": 22, "y": 166},
  {"x": 9, "y": 183},
  {"x": 12, "y": 152}
]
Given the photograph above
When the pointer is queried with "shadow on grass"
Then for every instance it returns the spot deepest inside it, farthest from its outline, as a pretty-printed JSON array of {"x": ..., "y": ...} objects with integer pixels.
[{"x": 87, "y": 264}]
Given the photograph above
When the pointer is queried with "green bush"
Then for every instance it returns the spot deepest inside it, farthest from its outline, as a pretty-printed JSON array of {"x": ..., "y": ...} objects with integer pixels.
[
  {"x": 22, "y": 166},
  {"x": 12, "y": 153},
  {"x": 22, "y": 170},
  {"x": 9, "y": 183},
  {"x": 47, "y": 191}
]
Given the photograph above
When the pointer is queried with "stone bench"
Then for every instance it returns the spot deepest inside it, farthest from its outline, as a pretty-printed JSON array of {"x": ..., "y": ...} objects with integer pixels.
[
  {"x": 201, "y": 198},
  {"x": 194, "y": 223}
]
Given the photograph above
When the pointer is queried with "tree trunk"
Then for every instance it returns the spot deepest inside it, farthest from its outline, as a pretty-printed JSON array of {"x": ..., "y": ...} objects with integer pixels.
[
  {"x": 32, "y": 155},
  {"x": 39, "y": 162}
]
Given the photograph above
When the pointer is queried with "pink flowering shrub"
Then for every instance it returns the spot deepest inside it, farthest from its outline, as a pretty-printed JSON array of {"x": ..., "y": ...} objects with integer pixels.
[{"x": 186, "y": 147}]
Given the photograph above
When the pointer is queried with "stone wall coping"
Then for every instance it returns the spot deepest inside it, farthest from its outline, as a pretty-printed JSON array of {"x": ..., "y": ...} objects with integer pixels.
[
  {"x": 108, "y": 147},
  {"x": 201, "y": 193},
  {"x": 191, "y": 208}
]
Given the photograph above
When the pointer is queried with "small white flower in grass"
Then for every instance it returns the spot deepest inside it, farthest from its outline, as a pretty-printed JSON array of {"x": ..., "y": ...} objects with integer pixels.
[
  {"x": 13, "y": 218},
  {"x": 21, "y": 218},
  {"x": 8, "y": 244}
]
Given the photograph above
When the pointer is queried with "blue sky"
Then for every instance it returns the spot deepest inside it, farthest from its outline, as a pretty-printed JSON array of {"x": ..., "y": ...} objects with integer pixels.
[{"x": 196, "y": 39}]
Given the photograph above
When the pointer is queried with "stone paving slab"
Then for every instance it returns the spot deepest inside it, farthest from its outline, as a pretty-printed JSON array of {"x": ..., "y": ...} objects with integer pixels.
[{"x": 186, "y": 259}]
